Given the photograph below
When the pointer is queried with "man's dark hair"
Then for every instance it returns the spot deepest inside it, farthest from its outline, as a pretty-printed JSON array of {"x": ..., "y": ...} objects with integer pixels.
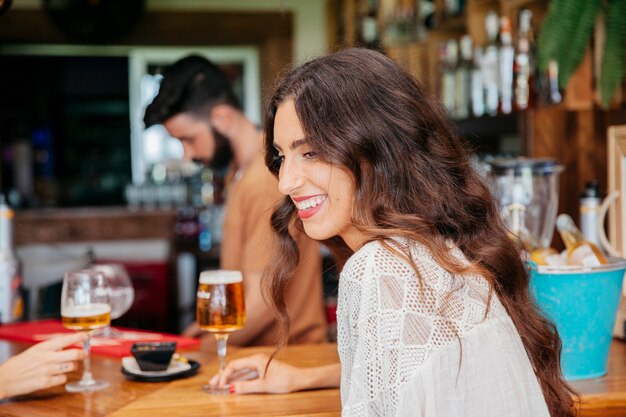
[{"x": 191, "y": 85}]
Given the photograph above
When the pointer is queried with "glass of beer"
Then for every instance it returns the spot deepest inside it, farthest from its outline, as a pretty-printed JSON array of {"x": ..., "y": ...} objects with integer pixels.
[
  {"x": 85, "y": 307},
  {"x": 220, "y": 310}
]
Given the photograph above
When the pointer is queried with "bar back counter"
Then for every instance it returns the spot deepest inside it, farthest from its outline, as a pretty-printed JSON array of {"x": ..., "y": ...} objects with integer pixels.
[{"x": 51, "y": 240}]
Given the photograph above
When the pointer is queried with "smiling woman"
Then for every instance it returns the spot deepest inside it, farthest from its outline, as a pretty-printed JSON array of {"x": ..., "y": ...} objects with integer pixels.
[{"x": 434, "y": 314}]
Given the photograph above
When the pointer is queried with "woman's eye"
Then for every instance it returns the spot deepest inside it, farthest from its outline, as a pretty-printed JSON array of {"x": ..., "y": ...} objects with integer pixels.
[
  {"x": 310, "y": 155},
  {"x": 278, "y": 159}
]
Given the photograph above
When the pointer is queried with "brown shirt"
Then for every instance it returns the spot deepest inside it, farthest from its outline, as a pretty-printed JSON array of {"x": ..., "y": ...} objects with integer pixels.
[{"x": 248, "y": 246}]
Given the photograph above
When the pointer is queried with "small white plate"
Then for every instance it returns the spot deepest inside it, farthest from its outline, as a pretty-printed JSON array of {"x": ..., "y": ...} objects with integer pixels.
[{"x": 130, "y": 365}]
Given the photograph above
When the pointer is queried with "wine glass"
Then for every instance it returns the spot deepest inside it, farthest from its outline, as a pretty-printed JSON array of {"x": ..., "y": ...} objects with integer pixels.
[
  {"x": 121, "y": 295},
  {"x": 85, "y": 307},
  {"x": 220, "y": 310}
]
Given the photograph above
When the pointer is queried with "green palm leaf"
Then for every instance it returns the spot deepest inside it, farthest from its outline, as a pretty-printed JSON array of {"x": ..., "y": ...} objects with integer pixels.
[
  {"x": 566, "y": 33},
  {"x": 550, "y": 37},
  {"x": 612, "y": 71}
]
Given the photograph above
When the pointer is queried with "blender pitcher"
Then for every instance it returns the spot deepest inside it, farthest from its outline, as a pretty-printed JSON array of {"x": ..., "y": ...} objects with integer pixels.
[{"x": 527, "y": 193}]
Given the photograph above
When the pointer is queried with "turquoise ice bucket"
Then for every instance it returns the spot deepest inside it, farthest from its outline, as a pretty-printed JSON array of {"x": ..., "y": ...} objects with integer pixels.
[{"x": 582, "y": 302}]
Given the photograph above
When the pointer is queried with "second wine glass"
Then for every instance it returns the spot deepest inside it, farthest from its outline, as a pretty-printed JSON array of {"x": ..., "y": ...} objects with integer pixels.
[
  {"x": 220, "y": 310},
  {"x": 122, "y": 293}
]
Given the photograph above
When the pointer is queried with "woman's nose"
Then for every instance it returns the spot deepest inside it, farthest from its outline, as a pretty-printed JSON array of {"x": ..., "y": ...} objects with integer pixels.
[{"x": 289, "y": 177}]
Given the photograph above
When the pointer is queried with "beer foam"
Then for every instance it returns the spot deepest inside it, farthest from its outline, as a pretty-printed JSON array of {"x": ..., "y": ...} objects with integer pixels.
[
  {"x": 220, "y": 277},
  {"x": 95, "y": 309}
]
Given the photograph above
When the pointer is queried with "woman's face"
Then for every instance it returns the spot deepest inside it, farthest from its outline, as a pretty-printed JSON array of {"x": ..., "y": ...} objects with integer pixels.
[{"x": 322, "y": 193}]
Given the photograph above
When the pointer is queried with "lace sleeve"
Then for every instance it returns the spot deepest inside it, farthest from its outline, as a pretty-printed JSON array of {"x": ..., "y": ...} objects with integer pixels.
[{"x": 388, "y": 335}]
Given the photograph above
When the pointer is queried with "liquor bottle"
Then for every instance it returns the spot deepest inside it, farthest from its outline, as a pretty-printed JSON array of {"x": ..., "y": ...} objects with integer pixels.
[
  {"x": 590, "y": 202},
  {"x": 490, "y": 66},
  {"x": 369, "y": 33},
  {"x": 454, "y": 7},
  {"x": 506, "y": 62},
  {"x": 477, "y": 89},
  {"x": 11, "y": 301},
  {"x": 554, "y": 95},
  {"x": 449, "y": 55},
  {"x": 524, "y": 61},
  {"x": 580, "y": 251},
  {"x": 442, "y": 58},
  {"x": 463, "y": 81}
]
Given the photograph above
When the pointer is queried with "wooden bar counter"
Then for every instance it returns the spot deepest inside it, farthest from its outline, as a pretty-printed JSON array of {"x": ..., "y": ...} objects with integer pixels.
[
  {"x": 182, "y": 397},
  {"x": 91, "y": 224},
  {"x": 604, "y": 397}
]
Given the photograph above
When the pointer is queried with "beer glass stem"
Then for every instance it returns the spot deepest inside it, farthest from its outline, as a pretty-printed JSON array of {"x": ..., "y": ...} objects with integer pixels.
[
  {"x": 87, "y": 378},
  {"x": 221, "y": 339}
]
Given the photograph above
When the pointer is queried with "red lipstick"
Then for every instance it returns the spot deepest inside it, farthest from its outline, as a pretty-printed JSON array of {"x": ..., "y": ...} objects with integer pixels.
[{"x": 310, "y": 212}]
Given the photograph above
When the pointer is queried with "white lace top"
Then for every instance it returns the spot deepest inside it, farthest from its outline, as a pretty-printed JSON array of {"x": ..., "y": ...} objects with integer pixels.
[{"x": 411, "y": 348}]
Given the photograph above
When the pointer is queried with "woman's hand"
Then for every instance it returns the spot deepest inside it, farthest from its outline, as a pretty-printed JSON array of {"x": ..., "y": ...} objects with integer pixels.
[
  {"x": 248, "y": 376},
  {"x": 41, "y": 366}
]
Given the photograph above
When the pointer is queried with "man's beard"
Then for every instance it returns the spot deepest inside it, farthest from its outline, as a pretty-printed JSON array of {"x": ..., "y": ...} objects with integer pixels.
[{"x": 223, "y": 154}]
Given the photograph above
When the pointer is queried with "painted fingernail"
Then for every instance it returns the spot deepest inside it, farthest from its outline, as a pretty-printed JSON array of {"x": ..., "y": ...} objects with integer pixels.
[{"x": 232, "y": 389}]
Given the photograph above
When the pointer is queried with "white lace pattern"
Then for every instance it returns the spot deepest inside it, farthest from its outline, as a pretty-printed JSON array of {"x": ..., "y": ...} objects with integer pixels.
[{"x": 414, "y": 346}]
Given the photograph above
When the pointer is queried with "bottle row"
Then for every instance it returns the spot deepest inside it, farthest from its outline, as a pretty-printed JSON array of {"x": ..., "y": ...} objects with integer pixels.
[{"x": 496, "y": 78}]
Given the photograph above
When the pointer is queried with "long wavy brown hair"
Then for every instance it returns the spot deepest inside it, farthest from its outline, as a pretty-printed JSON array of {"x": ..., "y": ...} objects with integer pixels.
[{"x": 413, "y": 178}]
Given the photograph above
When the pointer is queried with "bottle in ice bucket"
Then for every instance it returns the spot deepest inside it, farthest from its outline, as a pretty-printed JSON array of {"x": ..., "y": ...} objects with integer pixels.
[
  {"x": 540, "y": 255},
  {"x": 534, "y": 251},
  {"x": 579, "y": 250}
]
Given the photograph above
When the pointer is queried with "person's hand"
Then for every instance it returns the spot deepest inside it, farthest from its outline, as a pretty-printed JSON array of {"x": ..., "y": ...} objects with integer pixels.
[
  {"x": 247, "y": 376},
  {"x": 41, "y": 366}
]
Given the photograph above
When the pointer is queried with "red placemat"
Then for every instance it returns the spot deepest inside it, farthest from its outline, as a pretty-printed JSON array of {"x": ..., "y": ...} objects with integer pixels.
[{"x": 36, "y": 331}]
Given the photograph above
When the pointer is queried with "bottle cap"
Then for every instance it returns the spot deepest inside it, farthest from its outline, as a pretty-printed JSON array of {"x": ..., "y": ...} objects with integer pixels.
[
  {"x": 492, "y": 25},
  {"x": 452, "y": 52},
  {"x": 591, "y": 190},
  {"x": 564, "y": 222},
  {"x": 466, "y": 47},
  {"x": 525, "y": 17},
  {"x": 5, "y": 210}
]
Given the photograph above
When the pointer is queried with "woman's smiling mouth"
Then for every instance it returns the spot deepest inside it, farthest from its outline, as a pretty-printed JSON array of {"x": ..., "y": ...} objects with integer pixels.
[{"x": 308, "y": 206}]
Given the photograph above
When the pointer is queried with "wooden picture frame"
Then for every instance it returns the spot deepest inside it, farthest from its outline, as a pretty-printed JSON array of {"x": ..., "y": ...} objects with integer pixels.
[
  {"x": 615, "y": 204},
  {"x": 616, "y": 193}
]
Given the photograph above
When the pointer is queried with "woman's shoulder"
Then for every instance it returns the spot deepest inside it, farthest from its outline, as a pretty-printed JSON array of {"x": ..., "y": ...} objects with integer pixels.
[
  {"x": 407, "y": 261},
  {"x": 396, "y": 256}
]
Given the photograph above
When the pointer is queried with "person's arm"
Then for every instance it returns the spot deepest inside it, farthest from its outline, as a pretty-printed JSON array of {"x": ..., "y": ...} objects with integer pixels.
[
  {"x": 257, "y": 196},
  {"x": 247, "y": 376},
  {"x": 41, "y": 366}
]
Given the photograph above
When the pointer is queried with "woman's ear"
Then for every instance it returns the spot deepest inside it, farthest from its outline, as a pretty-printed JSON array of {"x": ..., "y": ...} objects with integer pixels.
[{"x": 222, "y": 118}]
